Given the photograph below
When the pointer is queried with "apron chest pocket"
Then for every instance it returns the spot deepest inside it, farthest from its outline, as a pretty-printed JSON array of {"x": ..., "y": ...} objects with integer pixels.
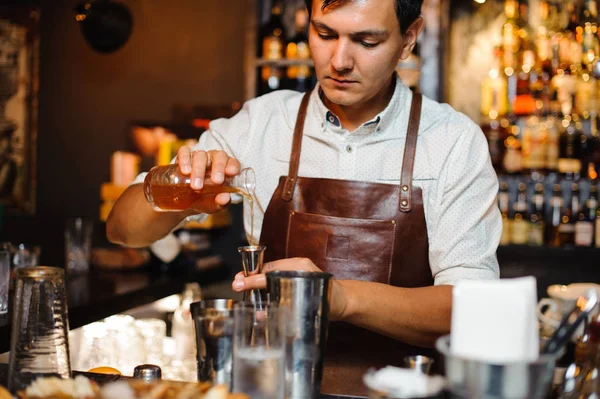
[{"x": 350, "y": 249}]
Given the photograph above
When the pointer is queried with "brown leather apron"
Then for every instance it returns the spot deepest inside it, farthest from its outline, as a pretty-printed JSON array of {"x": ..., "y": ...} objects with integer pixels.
[{"x": 356, "y": 231}]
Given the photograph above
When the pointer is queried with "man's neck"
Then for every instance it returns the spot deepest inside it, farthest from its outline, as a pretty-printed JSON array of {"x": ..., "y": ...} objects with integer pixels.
[{"x": 351, "y": 117}]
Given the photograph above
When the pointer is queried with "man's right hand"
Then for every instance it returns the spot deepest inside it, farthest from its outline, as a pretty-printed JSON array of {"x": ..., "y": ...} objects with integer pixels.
[{"x": 219, "y": 165}]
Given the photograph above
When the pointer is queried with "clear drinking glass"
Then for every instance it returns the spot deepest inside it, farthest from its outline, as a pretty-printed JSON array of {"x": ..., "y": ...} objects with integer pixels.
[
  {"x": 26, "y": 255},
  {"x": 4, "y": 280},
  {"x": 92, "y": 350},
  {"x": 39, "y": 344},
  {"x": 258, "y": 351},
  {"x": 154, "y": 332},
  {"x": 78, "y": 245}
]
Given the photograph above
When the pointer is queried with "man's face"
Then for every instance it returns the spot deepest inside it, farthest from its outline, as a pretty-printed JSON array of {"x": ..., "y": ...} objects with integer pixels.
[{"x": 356, "y": 45}]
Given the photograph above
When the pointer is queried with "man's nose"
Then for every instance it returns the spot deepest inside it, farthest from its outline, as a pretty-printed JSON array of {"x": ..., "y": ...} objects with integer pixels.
[{"x": 342, "y": 59}]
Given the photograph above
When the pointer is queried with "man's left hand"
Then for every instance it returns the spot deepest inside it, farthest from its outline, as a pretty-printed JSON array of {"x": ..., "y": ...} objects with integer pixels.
[{"x": 339, "y": 295}]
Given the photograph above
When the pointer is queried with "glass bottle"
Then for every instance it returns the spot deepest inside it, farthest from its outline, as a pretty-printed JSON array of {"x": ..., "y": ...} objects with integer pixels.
[
  {"x": 169, "y": 190},
  {"x": 493, "y": 89},
  {"x": 543, "y": 38},
  {"x": 511, "y": 40},
  {"x": 520, "y": 225},
  {"x": 589, "y": 40},
  {"x": 299, "y": 75},
  {"x": 503, "y": 204},
  {"x": 556, "y": 205},
  {"x": 273, "y": 40},
  {"x": 536, "y": 235},
  {"x": 569, "y": 47},
  {"x": 524, "y": 103},
  {"x": 586, "y": 219},
  {"x": 566, "y": 229},
  {"x": 569, "y": 161}
]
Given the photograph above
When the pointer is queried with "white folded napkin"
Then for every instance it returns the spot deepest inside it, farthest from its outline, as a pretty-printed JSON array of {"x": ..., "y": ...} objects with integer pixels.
[{"x": 495, "y": 321}]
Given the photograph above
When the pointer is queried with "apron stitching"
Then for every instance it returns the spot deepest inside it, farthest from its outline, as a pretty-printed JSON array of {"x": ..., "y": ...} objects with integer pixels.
[{"x": 392, "y": 255}]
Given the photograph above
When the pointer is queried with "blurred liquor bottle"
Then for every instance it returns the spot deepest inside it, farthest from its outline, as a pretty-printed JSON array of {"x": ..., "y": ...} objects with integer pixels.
[
  {"x": 503, "y": 204},
  {"x": 538, "y": 211},
  {"x": 299, "y": 75},
  {"x": 494, "y": 108},
  {"x": 586, "y": 220},
  {"x": 566, "y": 230},
  {"x": 272, "y": 38},
  {"x": 520, "y": 225},
  {"x": 569, "y": 162},
  {"x": 556, "y": 205}
]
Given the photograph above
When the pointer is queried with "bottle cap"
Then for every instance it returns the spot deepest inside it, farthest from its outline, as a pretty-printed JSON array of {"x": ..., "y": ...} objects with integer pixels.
[{"x": 147, "y": 372}]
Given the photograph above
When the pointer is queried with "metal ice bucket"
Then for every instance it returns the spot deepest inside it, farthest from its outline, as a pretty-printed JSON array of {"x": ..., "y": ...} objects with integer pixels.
[{"x": 468, "y": 378}]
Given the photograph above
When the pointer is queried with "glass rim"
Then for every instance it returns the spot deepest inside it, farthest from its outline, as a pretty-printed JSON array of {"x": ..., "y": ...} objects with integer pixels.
[
  {"x": 442, "y": 345},
  {"x": 218, "y": 305},
  {"x": 300, "y": 274},
  {"x": 265, "y": 305},
  {"x": 39, "y": 271}
]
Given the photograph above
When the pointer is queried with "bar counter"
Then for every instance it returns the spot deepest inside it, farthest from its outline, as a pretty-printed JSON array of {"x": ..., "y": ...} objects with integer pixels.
[
  {"x": 105, "y": 378},
  {"x": 101, "y": 294}
]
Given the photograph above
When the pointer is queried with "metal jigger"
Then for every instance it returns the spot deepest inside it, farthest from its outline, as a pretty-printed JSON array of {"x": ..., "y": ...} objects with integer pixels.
[{"x": 252, "y": 262}]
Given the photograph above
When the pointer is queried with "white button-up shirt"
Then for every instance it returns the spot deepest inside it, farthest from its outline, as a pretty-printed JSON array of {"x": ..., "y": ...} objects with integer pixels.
[{"x": 452, "y": 167}]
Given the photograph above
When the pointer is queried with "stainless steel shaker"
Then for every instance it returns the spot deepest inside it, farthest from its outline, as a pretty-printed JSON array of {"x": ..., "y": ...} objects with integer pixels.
[
  {"x": 307, "y": 297},
  {"x": 213, "y": 323}
]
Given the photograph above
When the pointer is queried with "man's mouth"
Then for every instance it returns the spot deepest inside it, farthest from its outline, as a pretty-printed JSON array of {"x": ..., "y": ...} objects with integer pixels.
[{"x": 342, "y": 81}]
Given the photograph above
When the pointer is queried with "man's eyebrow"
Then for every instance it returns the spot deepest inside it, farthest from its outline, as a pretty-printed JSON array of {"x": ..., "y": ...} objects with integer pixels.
[
  {"x": 321, "y": 25},
  {"x": 368, "y": 32}
]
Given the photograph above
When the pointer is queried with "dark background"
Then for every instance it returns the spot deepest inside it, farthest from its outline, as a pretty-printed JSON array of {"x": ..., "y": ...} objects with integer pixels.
[{"x": 180, "y": 52}]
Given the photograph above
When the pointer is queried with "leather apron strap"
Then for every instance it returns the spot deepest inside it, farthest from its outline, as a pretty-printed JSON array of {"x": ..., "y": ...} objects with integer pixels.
[
  {"x": 292, "y": 177},
  {"x": 408, "y": 161}
]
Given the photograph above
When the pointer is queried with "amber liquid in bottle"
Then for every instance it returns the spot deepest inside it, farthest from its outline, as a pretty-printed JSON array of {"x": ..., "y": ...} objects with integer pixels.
[{"x": 168, "y": 190}]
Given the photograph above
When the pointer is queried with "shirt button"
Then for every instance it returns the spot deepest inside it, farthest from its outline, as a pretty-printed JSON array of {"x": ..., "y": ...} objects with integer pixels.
[
  {"x": 331, "y": 119},
  {"x": 349, "y": 148}
]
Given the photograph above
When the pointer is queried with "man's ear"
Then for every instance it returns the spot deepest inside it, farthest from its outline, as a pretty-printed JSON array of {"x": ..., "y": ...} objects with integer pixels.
[{"x": 411, "y": 36}]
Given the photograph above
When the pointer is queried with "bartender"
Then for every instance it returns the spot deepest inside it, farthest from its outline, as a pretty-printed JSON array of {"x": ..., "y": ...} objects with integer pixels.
[{"x": 391, "y": 192}]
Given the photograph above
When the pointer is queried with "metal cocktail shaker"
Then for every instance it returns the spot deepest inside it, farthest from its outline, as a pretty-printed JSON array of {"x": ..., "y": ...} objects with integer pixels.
[
  {"x": 307, "y": 296},
  {"x": 213, "y": 322}
]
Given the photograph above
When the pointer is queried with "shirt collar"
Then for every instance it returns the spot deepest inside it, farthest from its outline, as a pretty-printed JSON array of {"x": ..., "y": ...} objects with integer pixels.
[{"x": 379, "y": 123}]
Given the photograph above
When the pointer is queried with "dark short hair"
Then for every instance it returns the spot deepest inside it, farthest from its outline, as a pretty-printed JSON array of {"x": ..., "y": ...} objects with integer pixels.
[{"x": 407, "y": 11}]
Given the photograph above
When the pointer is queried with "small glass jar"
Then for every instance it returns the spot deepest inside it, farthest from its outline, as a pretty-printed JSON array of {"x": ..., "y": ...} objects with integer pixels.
[{"x": 169, "y": 190}]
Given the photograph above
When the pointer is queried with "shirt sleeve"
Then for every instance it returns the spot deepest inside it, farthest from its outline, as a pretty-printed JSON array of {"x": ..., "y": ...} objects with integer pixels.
[{"x": 467, "y": 223}]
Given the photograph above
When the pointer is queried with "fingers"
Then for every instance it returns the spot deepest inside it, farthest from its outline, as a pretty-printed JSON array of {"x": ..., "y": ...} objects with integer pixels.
[
  {"x": 199, "y": 164},
  {"x": 184, "y": 159},
  {"x": 256, "y": 282},
  {"x": 233, "y": 167},
  {"x": 219, "y": 162},
  {"x": 259, "y": 281}
]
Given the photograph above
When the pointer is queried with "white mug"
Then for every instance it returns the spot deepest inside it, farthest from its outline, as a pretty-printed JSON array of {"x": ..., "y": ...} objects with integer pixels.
[{"x": 563, "y": 298}]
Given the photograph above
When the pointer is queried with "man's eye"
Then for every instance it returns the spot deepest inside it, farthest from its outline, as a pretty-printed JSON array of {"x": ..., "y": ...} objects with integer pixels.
[
  {"x": 368, "y": 45},
  {"x": 325, "y": 37}
]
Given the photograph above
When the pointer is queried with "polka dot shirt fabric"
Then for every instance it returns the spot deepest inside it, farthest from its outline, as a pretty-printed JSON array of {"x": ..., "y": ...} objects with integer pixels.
[{"x": 452, "y": 167}]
